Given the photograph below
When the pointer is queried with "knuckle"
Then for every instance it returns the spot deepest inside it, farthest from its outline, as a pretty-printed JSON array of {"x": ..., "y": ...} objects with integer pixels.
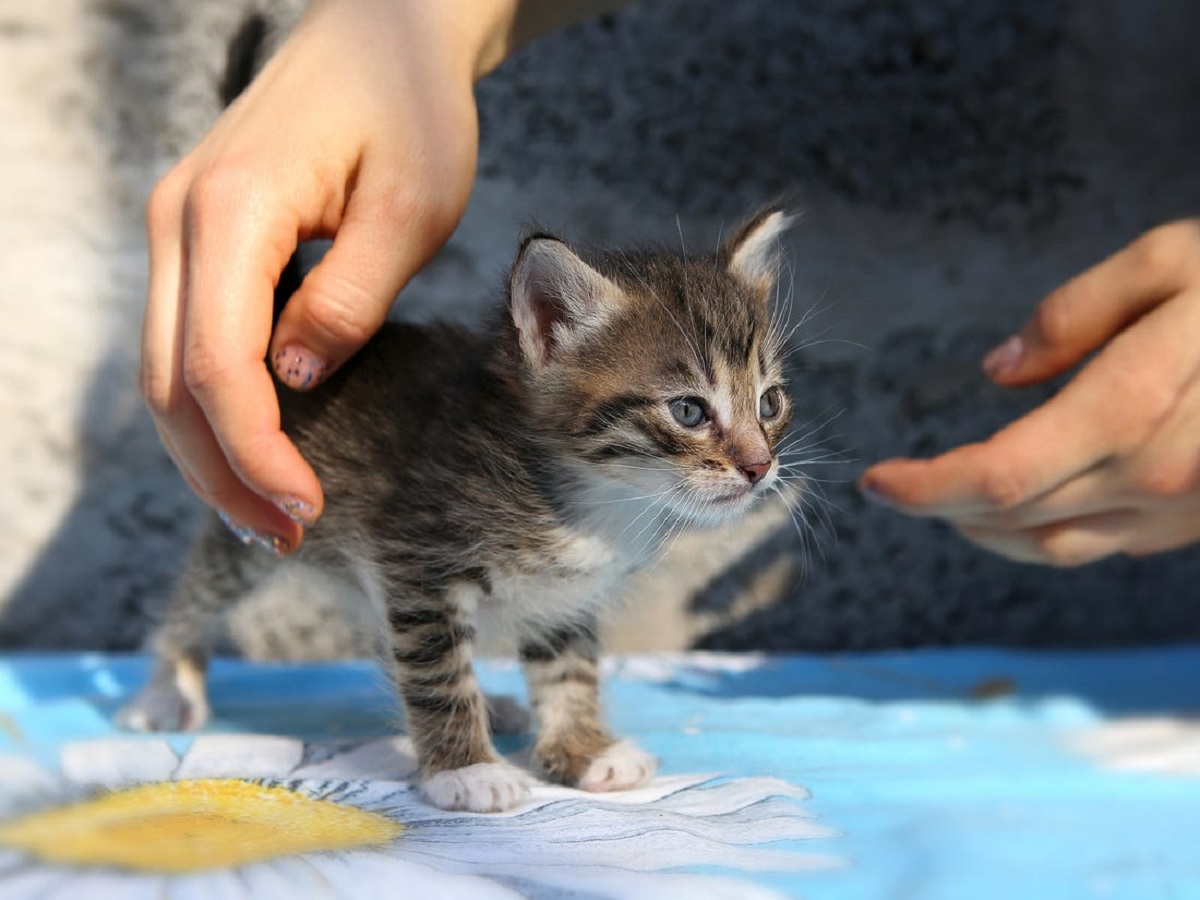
[
  {"x": 1003, "y": 487},
  {"x": 1054, "y": 319},
  {"x": 158, "y": 387},
  {"x": 1166, "y": 481},
  {"x": 220, "y": 190},
  {"x": 340, "y": 308},
  {"x": 203, "y": 372},
  {"x": 407, "y": 206},
  {"x": 399, "y": 204},
  {"x": 1059, "y": 546},
  {"x": 165, "y": 200},
  {"x": 1164, "y": 249}
]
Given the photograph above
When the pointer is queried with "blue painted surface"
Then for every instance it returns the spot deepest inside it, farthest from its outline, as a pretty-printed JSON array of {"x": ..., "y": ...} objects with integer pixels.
[{"x": 936, "y": 794}]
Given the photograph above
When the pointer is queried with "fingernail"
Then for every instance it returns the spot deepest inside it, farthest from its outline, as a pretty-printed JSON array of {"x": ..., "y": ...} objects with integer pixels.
[
  {"x": 872, "y": 493},
  {"x": 299, "y": 511},
  {"x": 298, "y": 368},
  {"x": 274, "y": 545},
  {"x": 1004, "y": 358}
]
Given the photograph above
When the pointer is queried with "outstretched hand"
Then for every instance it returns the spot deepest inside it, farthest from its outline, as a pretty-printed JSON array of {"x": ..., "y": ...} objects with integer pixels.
[
  {"x": 363, "y": 128},
  {"x": 1110, "y": 464}
]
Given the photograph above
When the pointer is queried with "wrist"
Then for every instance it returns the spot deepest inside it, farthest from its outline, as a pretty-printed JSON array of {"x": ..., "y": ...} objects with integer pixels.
[
  {"x": 485, "y": 32},
  {"x": 472, "y": 37},
  {"x": 468, "y": 37},
  {"x": 495, "y": 29}
]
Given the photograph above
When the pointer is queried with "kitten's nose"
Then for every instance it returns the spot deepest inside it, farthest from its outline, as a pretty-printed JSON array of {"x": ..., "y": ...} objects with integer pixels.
[{"x": 754, "y": 472}]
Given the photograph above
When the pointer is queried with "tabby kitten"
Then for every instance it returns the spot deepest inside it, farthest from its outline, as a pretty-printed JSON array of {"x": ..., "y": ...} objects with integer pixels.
[{"x": 512, "y": 480}]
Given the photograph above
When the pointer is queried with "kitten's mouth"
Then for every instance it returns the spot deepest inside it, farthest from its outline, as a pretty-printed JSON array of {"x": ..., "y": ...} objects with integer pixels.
[
  {"x": 732, "y": 498},
  {"x": 744, "y": 495},
  {"x": 725, "y": 507}
]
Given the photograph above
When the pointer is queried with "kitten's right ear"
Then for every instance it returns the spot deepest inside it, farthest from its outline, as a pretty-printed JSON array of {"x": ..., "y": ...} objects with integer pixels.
[
  {"x": 556, "y": 299},
  {"x": 753, "y": 253}
]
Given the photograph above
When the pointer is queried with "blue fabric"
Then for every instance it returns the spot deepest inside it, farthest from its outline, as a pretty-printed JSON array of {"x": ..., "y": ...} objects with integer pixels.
[{"x": 935, "y": 793}]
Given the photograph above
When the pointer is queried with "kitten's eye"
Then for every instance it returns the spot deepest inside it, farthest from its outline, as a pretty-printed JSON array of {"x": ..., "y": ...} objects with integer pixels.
[
  {"x": 689, "y": 411},
  {"x": 769, "y": 403}
]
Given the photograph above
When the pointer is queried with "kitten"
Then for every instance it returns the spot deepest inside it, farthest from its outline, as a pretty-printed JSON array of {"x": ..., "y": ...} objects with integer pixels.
[{"x": 513, "y": 479}]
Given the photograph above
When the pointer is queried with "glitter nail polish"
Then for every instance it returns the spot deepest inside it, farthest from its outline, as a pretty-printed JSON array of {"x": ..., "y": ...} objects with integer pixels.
[
  {"x": 300, "y": 511},
  {"x": 1004, "y": 358},
  {"x": 298, "y": 368}
]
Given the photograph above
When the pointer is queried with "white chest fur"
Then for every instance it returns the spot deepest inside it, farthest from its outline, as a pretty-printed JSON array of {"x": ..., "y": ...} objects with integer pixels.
[{"x": 585, "y": 574}]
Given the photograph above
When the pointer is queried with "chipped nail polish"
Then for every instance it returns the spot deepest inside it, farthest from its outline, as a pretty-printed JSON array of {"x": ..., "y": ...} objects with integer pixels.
[
  {"x": 299, "y": 511},
  {"x": 1004, "y": 358},
  {"x": 297, "y": 367},
  {"x": 274, "y": 545}
]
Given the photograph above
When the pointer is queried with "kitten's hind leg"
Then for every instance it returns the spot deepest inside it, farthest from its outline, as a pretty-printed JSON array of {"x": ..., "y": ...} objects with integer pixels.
[
  {"x": 445, "y": 711},
  {"x": 219, "y": 572},
  {"x": 174, "y": 699},
  {"x": 573, "y": 745}
]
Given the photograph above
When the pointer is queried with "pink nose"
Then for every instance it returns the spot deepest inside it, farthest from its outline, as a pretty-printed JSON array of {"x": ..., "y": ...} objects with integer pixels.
[{"x": 754, "y": 472}]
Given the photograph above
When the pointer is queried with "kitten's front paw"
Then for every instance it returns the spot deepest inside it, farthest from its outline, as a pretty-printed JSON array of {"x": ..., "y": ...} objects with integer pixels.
[
  {"x": 621, "y": 766},
  {"x": 162, "y": 706},
  {"x": 483, "y": 787}
]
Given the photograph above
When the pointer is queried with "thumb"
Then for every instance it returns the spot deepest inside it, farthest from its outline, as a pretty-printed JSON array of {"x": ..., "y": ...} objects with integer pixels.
[
  {"x": 1095, "y": 306},
  {"x": 345, "y": 299}
]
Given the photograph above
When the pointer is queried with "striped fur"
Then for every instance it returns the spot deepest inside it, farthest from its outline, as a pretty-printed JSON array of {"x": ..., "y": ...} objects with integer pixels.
[{"x": 512, "y": 480}]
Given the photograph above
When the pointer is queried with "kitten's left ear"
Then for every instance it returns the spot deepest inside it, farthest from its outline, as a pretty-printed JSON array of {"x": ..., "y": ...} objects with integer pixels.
[
  {"x": 556, "y": 299},
  {"x": 753, "y": 253}
]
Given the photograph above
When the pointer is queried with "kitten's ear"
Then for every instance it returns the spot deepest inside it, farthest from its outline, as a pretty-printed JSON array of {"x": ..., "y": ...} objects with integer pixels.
[
  {"x": 753, "y": 253},
  {"x": 556, "y": 299}
]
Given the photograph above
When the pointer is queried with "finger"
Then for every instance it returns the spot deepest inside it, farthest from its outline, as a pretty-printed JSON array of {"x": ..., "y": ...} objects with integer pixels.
[
  {"x": 180, "y": 425},
  {"x": 1111, "y": 408},
  {"x": 1054, "y": 443},
  {"x": 1098, "y": 490},
  {"x": 382, "y": 242},
  {"x": 1157, "y": 476},
  {"x": 1092, "y": 307},
  {"x": 208, "y": 474},
  {"x": 162, "y": 353},
  {"x": 1076, "y": 542},
  {"x": 235, "y": 255}
]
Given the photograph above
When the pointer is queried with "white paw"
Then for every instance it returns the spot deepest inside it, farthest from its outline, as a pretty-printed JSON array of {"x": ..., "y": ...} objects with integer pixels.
[
  {"x": 162, "y": 706},
  {"x": 483, "y": 787},
  {"x": 506, "y": 715},
  {"x": 622, "y": 766}
]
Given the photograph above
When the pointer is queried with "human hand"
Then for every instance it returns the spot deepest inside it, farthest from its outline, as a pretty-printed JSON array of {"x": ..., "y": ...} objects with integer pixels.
[
  {"x": 362, "y": 127},
  {"x": 1110, "y": 464}
]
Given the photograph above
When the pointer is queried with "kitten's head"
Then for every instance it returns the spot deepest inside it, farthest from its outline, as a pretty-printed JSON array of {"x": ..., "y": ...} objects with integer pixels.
[{"x": 657, "y": 371}]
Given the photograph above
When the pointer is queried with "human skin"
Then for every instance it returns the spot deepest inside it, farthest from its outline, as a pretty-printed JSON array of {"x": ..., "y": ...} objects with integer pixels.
[
  {"x": 361, "y": 128},
  {"x": 1111, "y": 463}
]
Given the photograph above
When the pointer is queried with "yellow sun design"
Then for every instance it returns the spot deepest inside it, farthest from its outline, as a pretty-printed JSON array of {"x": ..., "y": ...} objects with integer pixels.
[{"x": 186, "y": 826}]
